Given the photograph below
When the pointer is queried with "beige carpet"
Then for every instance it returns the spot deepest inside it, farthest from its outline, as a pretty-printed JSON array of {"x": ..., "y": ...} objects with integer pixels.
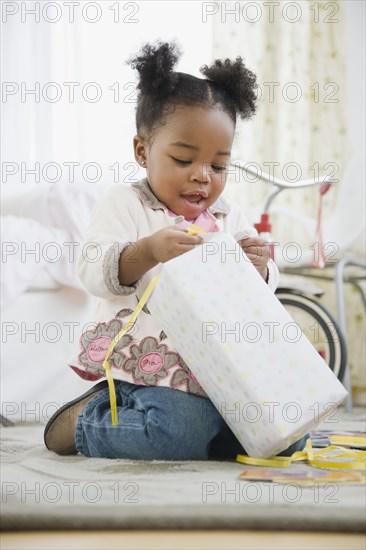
[{"x": 41, "y": 490}]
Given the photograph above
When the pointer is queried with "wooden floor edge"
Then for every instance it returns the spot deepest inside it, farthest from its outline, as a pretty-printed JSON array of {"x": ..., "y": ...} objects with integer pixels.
[{"x": 181, "y": 540}]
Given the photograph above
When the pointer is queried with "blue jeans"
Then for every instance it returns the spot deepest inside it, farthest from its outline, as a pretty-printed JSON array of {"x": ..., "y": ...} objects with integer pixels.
[{"x": 157, "y": 423}]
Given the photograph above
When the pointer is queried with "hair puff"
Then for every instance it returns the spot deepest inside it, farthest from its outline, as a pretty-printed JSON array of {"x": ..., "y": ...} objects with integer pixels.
[
  {"x": 228, "y": 85},
  {"x": 154, "y": 64},
  {"x": 238, "y": 82}
]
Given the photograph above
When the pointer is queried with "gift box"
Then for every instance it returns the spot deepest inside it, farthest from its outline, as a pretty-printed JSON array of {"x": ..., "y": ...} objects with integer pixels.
[{"x": 262, "y": 374}]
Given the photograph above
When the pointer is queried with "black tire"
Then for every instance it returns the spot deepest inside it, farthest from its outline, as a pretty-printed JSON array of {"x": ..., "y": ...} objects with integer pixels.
[{"x": 300, "y": 305}]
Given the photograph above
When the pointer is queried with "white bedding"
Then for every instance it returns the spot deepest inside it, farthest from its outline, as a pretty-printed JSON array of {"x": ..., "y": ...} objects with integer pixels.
[
  {"x": 43, "y": 305},
  {"x": 40, "y": 332},
  {"x": 42, "y": 231}
]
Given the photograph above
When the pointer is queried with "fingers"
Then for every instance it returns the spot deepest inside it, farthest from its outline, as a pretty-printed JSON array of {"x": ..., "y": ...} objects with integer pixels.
[
  {"x": 183, "y": 242},
  {"x": 255, "y": 245},
  {"x": 257, "y": 251},
  {"x": 194, "y": 240},
  {"x": 252, "y": 241},
  {"x": 256, "y": 260},
  {"x": 189, "y": 241},
  {"x": 185, "y": 238}
]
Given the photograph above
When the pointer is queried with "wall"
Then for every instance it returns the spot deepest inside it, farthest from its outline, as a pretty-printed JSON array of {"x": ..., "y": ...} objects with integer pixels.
[{"x": 73, "y": 49}]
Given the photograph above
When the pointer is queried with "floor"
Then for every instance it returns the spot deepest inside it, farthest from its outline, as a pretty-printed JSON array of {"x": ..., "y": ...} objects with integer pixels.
[
  {"x": 182, "y": 540},
  {"x": 200, "y": 540}
]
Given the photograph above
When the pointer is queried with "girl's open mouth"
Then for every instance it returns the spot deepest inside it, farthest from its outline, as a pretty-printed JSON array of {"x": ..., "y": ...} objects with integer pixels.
[
  {"x": 193, "y": 199},
  {"x": 194, "y": 202},
  {"x": 194, "y": 205}
]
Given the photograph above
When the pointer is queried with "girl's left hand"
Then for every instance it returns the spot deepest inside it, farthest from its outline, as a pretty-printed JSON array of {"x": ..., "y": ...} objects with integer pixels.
[{"x": 258, "y": 252}]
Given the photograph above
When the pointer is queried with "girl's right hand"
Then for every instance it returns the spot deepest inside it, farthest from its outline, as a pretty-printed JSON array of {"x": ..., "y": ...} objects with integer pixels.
[{"x": 171, "y": 242}]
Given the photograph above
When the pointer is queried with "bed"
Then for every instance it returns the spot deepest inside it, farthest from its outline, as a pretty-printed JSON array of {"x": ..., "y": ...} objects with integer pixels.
[{"x": 44, "y": 306}]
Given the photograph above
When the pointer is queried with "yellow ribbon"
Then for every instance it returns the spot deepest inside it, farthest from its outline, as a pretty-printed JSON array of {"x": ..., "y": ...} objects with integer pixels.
[
  {"x": 357, "y": 441},
  {"x": 106, "y": 365},
  {"x": 324, "y": 458},
  {"x": 192, "y": 229}
]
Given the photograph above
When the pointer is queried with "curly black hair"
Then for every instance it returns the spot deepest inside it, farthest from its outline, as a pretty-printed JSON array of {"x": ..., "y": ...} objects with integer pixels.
[{"x": 228, "y": 85}]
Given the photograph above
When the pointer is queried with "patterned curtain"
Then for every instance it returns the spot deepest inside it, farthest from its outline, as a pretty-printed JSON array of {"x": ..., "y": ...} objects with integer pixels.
[{"x": 296, "y": 49}]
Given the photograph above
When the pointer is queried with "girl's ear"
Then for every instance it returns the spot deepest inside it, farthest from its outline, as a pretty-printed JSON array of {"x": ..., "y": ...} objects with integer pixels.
[{"x": 140, "y": 150}]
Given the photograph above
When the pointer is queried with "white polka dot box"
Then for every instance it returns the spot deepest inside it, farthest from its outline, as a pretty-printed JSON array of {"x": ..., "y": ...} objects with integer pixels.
[{"x": 263, "y": 375}]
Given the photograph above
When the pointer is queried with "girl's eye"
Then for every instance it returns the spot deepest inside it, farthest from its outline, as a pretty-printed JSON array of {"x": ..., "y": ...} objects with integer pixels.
[
  {"x": 179, "y": 161},
  {"x": 215, "y": 167}
]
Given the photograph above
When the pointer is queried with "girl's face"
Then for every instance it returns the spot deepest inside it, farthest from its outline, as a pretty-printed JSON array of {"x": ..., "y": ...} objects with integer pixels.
[{"x": 187, "y": 159}]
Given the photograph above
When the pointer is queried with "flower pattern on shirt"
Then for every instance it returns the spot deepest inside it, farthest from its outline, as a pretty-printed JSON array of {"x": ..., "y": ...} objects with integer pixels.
[
  {"x": 185, "y": 376},
  {"x": 94, "y": 344},
  {"x": 149, "y": 361}
]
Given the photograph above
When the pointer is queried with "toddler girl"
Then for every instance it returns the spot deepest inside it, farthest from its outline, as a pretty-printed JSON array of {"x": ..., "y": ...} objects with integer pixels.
[{"x": 185, "y": 130}]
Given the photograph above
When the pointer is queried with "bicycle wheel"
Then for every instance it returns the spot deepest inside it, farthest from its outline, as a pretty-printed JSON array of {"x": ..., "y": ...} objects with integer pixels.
[{"x": 319, "y": 326}]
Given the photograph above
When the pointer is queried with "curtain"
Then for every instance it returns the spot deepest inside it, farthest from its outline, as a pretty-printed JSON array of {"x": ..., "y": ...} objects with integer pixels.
[{"x": 297, "y": 51}]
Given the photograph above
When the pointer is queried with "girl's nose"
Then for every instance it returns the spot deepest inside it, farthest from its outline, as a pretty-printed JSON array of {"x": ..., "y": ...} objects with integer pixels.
[{"x": 201, "y": 173}]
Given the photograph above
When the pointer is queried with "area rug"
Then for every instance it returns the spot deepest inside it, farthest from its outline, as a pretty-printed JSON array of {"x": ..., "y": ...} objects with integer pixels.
[{"x": 43, "y": 491}]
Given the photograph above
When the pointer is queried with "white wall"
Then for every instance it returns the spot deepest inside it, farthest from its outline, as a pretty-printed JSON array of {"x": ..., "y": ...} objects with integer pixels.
[{"x": 84, "y": 52}]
